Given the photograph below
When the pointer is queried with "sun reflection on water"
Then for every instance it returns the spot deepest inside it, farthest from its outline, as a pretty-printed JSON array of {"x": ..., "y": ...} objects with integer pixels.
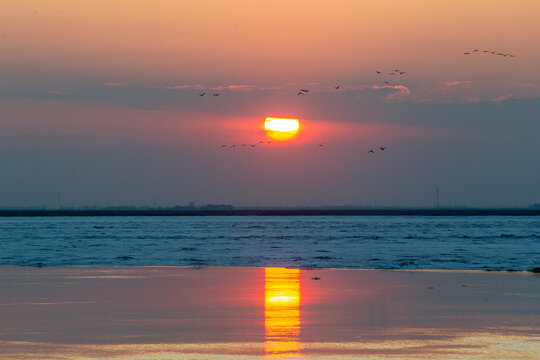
[{"x": 282, "y": 312}]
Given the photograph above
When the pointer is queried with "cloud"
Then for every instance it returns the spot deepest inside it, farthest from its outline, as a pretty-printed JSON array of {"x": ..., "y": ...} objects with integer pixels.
[
  {"x": 454, "y": 91},
  {"x": 266, "y": 88},
  {"x": 398, "y": 95},
  {"x": 503, "y": 98},
  {"x": 332, "y": 89},
  {"x": 453, "y": 84},
  {"x": 471, "y": 99},
  {"x": 528, "y": 84},
  {"x": 234, "y": 87},
  {"x": 218, "y": 87},
  {"x": 114, "y": 84},
  {"x": 187, "y": 86}
]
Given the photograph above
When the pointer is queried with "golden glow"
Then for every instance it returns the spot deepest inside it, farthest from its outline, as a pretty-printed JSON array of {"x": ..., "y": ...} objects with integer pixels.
[
  {"x": 281, "y": 312},
  {"x": 281, "y": 129}
]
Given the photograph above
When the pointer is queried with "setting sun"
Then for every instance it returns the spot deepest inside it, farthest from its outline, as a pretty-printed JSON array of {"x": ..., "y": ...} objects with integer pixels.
[{"x": 280, "y": 128}]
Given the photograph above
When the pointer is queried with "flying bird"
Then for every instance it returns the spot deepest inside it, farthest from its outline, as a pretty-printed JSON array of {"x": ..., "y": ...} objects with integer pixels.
[
  {"x": 202, "y": 94},
  {"x": 402, "y": 72},
  {"x": 467, "y": 53},
  {"x": 304, "y": 90},
  {"x": 337, "y": 87},
  {"x": 300, "y": 93},
  {"x": 371, "y": 152},
  {"x": 386, "y": 82},
  {"x": 382, "y": 148},
  {"x": 377, "y": 71},
  {"x": 223, "y": 146},
  {"x": 316, "y": 278},
  {"x": 216, "y": 94},
  {"x": 321, "y": 145}
]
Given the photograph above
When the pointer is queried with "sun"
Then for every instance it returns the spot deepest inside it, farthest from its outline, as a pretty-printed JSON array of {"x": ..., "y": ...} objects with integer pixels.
[{"x": 280, "y": 128}]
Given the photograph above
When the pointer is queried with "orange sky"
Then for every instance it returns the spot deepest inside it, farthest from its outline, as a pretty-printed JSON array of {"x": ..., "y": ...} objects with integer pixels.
[
  {"x": 76, "y": 76},
  {"x": 241, "y": 41}
]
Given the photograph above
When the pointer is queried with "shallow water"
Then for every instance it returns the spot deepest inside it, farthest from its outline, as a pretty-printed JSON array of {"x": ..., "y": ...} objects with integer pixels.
[
  {"x": 389, "y": 242},
  {"x": 145, "y": 313}
]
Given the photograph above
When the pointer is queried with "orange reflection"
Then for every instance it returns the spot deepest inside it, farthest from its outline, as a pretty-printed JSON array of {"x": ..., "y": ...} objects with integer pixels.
[{"x": 281, "y": 312}]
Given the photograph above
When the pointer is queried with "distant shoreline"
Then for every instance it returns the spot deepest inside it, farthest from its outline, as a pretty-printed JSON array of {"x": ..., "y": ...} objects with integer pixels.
[{"x": 273, "y": 212}]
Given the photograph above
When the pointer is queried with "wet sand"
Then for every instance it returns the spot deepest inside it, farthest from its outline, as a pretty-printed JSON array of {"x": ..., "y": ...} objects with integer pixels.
[{"x": 259, "y": 313}]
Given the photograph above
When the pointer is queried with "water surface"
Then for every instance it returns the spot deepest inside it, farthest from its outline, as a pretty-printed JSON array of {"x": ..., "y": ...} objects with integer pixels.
[{"x": 389, "y": 242}]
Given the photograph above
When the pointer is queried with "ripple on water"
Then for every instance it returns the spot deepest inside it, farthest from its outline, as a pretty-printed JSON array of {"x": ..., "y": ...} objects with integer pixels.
[{"x": 355, "y": 242}]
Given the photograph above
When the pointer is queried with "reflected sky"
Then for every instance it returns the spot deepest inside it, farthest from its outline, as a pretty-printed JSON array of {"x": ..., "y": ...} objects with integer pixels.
[{"x": 261, "y": 313}]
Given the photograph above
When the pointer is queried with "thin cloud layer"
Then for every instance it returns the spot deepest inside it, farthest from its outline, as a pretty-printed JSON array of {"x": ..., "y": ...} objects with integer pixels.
[{"x": 402, "y": 92}]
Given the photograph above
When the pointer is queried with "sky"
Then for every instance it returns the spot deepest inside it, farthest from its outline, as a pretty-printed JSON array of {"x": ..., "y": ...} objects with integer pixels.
[{"x": 100, "y": 101}]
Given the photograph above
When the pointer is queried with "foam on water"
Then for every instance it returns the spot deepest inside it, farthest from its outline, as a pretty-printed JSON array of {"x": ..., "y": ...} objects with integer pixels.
[{"x": 393, "y": 242}]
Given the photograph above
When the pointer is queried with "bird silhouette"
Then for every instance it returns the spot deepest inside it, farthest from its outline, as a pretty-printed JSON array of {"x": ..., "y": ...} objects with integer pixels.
[
  {"x": 223, "y": 146},
  {"x": 216, "y": 94},
  {"x": 386, "y": 82},
  {"x": 320, "y": 145},
  {"x": 337, "y": 87},
  {"x": 377, "y": 71},
  {"x": 371, "y": 152},
  {"x": 316, "y": 278},
  {"x": 466, "y": 53},
  {"x": 300, "y": 93},
  {"x": 402, "y": 72},
  {"x": 304, "y": 90},
  {"x": 202, "y": 94},
  {"x": 382, "y": 148}
]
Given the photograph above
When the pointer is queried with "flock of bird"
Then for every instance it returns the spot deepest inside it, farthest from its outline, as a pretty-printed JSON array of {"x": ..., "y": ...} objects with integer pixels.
[
  {"x": 246, "y": 146},
  {"x": 303, "y": 92},
  {"x": 394, "y": 72},
  {"x": 488, "y": 52},
  {"x": 381, "y": 148},
  {"x": 398, "y": 72}
]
